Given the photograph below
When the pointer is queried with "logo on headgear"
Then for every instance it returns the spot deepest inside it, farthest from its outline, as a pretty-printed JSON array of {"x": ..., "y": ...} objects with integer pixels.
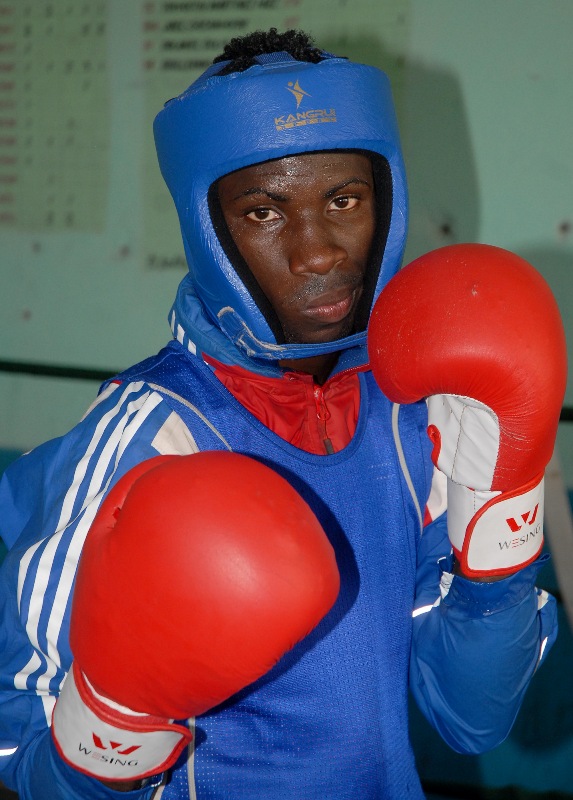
[
  {"x": 301, "y": 118},
  {"x": 297, "y": 91}
]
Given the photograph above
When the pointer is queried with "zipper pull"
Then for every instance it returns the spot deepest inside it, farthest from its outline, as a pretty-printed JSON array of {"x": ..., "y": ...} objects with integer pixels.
[{"x": 323, "y": 414}]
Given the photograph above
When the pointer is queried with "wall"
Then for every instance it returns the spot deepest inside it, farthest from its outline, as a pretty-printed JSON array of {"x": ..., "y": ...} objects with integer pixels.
[
  {"x": 90, "y": 246},
  {"x": 487, "y": 118}
]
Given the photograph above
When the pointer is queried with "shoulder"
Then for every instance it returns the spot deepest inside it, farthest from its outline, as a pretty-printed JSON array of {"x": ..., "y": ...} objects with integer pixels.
[{"x": 47, "y": 488}]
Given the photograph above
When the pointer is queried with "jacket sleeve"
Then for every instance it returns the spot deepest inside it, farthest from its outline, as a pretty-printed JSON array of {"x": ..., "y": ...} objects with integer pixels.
[
  {"x": 475, "y": 645},
  {"x": 48, "y": 499}
]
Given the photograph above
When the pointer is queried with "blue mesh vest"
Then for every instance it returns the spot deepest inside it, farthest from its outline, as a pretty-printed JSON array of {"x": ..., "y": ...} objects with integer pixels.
[{"x": 329, "y": 722}]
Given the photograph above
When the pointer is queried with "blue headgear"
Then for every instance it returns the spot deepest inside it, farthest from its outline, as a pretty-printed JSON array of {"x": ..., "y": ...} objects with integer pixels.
[{"x": 277, "y": 108}]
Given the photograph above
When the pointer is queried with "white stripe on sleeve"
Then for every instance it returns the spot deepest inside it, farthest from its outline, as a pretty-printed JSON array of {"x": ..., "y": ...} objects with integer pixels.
[{"x": 120, "y": 424}]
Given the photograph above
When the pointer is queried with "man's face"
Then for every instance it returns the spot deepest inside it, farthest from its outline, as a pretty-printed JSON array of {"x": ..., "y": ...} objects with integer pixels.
[{"x": 304, "y": 225}]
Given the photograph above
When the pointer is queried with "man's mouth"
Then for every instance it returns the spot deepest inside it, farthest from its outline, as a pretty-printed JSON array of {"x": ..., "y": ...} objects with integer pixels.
[{"x": 332, "y": 307}]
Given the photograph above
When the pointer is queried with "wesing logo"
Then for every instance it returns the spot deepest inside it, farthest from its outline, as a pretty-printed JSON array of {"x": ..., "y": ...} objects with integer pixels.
[
  {"x": 300, "y": 118},
  {"x": 525, "y": 521},
  {"x": 116, "y": 748}
]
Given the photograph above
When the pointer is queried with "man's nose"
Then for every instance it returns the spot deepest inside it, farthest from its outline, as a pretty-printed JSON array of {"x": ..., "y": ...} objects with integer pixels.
[{"x": 314, "y": 248}]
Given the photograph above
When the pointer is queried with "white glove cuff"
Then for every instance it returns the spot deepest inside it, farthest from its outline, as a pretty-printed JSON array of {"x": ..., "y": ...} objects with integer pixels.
[
  {"x": 495, "y": 533},
  {"x": 98, "y": 739}
]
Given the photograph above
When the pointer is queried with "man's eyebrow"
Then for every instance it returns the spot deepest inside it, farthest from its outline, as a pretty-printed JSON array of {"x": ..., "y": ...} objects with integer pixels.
[
  {"x": 277, "y": 198},
  {"x": 344, "y": 184}
]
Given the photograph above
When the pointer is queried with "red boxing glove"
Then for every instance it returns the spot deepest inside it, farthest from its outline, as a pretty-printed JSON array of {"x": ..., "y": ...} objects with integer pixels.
[
  {"x": 476, "y": 330},
  {"x": 197, "y": 575}
]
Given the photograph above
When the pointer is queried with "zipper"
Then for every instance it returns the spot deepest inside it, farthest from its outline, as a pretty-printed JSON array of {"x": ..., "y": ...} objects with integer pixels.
[
  {"x": 322, "y": 412},
  {"x": 323, "y": 415}
]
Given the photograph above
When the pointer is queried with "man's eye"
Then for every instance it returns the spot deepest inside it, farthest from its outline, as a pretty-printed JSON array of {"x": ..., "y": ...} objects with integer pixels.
[
  {"x": 263, "y": 215},
  {"x": 344, "y": 203}
]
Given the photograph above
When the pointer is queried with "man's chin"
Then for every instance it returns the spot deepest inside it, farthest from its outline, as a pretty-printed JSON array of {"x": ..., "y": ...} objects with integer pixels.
[{"x": 330, "y": 333}]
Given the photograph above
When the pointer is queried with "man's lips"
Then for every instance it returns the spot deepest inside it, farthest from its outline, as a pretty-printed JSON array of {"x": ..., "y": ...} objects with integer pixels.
[{"x": 332, "y": 307}]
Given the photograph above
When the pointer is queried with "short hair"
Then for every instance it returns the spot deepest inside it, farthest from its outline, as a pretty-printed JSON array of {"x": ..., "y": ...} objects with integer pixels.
[{"x": 241, "y": 50}]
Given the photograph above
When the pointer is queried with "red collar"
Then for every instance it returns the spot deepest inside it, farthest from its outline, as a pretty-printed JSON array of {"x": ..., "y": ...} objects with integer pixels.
[{"x": 317, "y": 419}]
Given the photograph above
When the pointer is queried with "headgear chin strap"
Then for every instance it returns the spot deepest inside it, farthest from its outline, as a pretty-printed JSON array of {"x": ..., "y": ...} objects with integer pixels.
[{"x": 280, "y": 107}]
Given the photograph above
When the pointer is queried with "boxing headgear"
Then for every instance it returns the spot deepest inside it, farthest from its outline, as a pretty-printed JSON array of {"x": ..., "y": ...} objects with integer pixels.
[{"x": 279, "y": 107}]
